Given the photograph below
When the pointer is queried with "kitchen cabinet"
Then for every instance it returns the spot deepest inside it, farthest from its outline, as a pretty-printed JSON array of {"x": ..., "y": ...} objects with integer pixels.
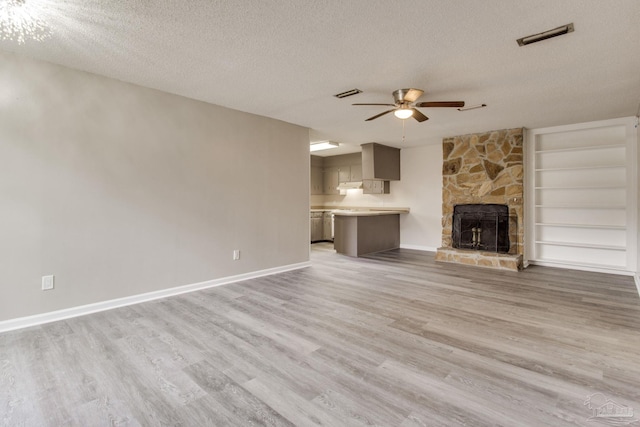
[
  {"x": 375, "y": 186},
  {"x": 317, "y": 183},
  {"x": 321, "y": 226},
  {"x": 331, "y": 180},
  {"x": 344, "y": 174},
  {"x": 380, "y": 162},
  {"x": 327, "y": 232},
  {"x": 361, "y": 233},
  {"x": 356, "y": 172},
  {"x": 316, "y": 226},
  {"x": 328, "y": 172},
  {"x": 352, "y": 173}
]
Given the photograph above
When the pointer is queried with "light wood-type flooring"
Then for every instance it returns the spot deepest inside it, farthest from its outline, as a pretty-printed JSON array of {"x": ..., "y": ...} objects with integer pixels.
[{"x": 393, "y": 339}]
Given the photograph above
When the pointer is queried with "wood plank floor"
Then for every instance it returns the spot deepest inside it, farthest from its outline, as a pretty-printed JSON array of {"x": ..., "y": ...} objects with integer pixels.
[{"x": 393, "y": 339}]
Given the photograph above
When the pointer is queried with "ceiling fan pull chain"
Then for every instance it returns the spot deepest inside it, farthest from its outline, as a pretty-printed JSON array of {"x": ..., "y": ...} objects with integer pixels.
[{"x": 403, "y": 131}]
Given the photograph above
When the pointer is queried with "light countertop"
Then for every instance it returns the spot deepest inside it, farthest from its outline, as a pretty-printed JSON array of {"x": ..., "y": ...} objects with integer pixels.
[
  {"x": 372, "y": 212},
  {"x": 361, "y": 211}
]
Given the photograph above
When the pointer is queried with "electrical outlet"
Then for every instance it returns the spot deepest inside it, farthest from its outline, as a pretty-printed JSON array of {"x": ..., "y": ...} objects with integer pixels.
[
  {"x": 236, "y": 254},
  {"x": 47, "y": 282}
]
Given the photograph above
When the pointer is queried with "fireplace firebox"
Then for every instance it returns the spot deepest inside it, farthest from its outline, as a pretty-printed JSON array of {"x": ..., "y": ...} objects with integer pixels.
[{"x": 481, "y": 227}]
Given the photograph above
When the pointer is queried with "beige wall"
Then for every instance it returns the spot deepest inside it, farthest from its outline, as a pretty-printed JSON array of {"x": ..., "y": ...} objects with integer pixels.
[
  {"x": 119, "y": 190},
  {"x": 420, "y": 189}
]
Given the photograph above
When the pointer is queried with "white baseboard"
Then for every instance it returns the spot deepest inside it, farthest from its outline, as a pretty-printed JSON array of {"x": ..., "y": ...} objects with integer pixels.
[
  {"x": 54, "y": 316},
  {"x": 418, "y": 248},
  {"x": 636, "y": 278},
  {"x": 582, "y": 267}
]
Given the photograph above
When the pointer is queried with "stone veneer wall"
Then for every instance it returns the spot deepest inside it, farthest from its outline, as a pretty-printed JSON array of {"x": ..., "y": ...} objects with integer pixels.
[{"x": 483, "y": 168}]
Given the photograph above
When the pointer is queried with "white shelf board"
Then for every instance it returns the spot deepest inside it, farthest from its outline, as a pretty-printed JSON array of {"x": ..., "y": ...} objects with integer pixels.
[
  {"x": 592, "y": 187},
  {"x": 582, "y": 245},
  {"x": 588, "y": 147},
  {"x": 574, "y": 168},
  {"x": 600, "y": 227},
  {"x": 574, "y": 264},
  {"x": 622, "y": 207}
]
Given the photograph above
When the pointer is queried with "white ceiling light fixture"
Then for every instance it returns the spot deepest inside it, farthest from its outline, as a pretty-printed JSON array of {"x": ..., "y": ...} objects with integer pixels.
[
  {"x": 323, "y": 145},
  {"x": 19, "y": 21},
  {"x": 403, "y": 113}
]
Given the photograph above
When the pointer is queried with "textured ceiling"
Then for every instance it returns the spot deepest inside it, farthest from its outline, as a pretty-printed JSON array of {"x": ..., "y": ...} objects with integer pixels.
[{"x": 286, "y": 58}]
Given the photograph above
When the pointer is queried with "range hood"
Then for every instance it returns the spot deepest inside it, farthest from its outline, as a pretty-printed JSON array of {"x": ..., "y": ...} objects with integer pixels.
[{"x": 353, "y": 185}]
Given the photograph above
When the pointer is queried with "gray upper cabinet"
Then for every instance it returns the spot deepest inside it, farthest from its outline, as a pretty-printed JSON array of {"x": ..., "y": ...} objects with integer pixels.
[
  {"x": 331, "y": 180},
  {"x": 333, "y": 170},
  {"x": 380, "y": 162},
  {"x": 344, "y": 173},
  {"x": 317, "y": 182},
  {"x": 351, "y": 173},
  {"x": 356, "y": 172},
  {"x": 317, "y": 178},
  {"x": 375, "y": 186}
]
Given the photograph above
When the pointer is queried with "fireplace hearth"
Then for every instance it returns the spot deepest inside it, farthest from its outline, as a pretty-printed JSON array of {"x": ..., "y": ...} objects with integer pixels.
[{"x": 482, "y": 227}]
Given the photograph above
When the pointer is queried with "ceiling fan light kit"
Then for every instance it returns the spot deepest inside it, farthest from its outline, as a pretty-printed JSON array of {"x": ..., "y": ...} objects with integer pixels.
[
  {"x": 403, "y": 113},
  {"x": 405, "y": 105}
]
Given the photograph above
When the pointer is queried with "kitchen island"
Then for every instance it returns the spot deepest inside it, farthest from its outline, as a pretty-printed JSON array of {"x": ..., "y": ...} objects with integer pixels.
[{"x": 361, "y": 232}]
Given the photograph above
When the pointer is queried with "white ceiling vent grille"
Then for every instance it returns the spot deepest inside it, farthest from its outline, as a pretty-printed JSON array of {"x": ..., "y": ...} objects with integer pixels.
[{"x": 565, "y": 29}]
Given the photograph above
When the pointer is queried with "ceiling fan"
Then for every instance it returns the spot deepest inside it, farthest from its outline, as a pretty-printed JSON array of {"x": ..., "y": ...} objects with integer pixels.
[{"x": 404, "y": 106}]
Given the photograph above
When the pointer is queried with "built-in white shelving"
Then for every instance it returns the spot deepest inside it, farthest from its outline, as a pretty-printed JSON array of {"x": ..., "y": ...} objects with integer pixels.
[{"x": 581, "y": 195}]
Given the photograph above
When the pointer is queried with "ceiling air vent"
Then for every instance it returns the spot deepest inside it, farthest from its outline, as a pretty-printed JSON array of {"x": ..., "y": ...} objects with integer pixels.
[
  {"x": 546, "y": 35},
  {"x": 348, "y": 93}
]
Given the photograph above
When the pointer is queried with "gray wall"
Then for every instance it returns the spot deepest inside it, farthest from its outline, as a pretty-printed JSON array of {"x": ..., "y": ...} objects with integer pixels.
[{"x": 119, "y": 190}]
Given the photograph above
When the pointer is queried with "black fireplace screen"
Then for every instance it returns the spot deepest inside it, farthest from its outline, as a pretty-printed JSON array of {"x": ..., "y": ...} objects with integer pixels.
[{"x": 481, "y": 227}]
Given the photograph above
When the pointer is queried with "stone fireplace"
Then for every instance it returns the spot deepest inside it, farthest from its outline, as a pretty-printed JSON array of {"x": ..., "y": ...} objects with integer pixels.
[{"x": 482, "y": 182}]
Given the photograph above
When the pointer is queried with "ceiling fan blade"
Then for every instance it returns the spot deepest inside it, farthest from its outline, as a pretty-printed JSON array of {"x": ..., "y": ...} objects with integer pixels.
[
  {"x": 378, "y": 115},
  {"x": 456, "y": 104},
  {"x": 388, "y": 105},
  {"x": 419, "y": 116},
  {"x": 412, "y": 95}
]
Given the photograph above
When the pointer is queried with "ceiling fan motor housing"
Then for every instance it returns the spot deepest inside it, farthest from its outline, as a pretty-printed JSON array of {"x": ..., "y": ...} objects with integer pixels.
[{"x": 405, "y": 96}]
